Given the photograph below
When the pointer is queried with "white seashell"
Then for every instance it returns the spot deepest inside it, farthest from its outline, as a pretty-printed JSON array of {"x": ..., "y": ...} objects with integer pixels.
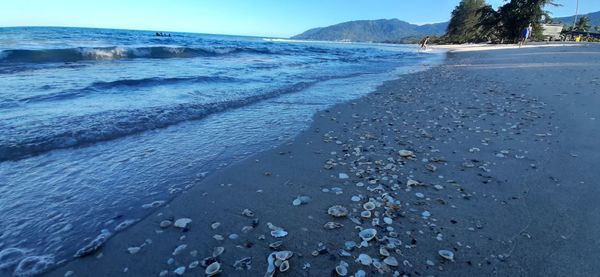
[
  {"x": 387, "y": 220},
  {"x": 369, "y": 206},
  {"x": 215, "y": 225},
  {"x": 447, "y": 254},
  {"x": 365, "y": 214},
  {"x": 182, "y": 223},
  {"x": 283, "y": 255},
  {"x": 248, "y": 213},
  {"x": 279, "y": 233},
  {"x": 213, "y": 269},
  {"x": 355, "y": 198},
  {"x": 391, "y": 261},
  {"x": 360, "y": 273},
  {"x": 284, "y": 266},
  {"x": 406, "y": 154},
  {"x": 297, "y": 202},
  {"x": 367, "y": 234},
  {"x": 217, "y": 251},
  {"x": 364, "y": 259},
  {"x": 337, "y": 211},
  {"x": 384, "y": 252},
  {"x": 180, "y": 270},
  {"x": 341, "y": 270}
]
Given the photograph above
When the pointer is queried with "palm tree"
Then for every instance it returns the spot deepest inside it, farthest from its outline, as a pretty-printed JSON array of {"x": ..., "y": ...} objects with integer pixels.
[{"x": 583, "y": 24}]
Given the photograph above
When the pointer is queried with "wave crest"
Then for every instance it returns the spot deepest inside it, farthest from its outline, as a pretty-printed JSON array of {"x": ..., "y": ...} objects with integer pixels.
[{"x": 115, "y": 53}]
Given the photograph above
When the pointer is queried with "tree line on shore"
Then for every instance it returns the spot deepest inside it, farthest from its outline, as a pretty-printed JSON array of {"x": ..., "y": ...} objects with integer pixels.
[{"x": 476, "y": 21}]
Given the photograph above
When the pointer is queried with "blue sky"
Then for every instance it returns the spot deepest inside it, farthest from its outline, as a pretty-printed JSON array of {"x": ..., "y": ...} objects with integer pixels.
[{"x": 278, "y": 18}]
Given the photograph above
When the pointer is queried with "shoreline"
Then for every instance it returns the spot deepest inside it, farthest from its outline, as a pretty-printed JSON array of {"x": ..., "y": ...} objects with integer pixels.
[{"x": 462, "y": 192}]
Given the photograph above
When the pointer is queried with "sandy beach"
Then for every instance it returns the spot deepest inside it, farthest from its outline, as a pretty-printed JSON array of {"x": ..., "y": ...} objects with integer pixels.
[{"x": 491, "y": 156}]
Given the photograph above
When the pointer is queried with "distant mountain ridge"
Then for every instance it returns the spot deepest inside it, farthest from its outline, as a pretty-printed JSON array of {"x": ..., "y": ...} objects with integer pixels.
[
  {"x": 382, "y": 30},
  {"x": 594, "y": 19}
]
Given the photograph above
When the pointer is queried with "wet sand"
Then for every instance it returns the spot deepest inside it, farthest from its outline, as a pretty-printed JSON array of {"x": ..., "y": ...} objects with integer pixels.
[{"x": 504, "y": 174}]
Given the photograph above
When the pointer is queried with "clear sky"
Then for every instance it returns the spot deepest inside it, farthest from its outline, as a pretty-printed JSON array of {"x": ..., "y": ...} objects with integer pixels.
[{"x": 277, "y": 18}]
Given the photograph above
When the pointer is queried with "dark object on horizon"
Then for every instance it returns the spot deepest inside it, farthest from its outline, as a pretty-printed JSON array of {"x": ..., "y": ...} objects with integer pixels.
[
  {"x": 162, "y": 34},
  {"x": 383, "y": 30}
]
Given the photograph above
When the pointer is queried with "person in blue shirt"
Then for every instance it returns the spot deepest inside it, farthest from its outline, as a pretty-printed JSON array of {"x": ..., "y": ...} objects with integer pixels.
[{"x": 525, "y": 34}]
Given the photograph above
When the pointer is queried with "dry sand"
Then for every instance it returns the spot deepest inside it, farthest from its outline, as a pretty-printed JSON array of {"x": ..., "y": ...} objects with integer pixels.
[{"x": 506, "y": 158}]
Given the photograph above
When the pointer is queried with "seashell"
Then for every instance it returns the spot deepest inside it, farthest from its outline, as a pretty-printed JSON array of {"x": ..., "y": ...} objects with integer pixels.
[
  {"x": 217, "y": 251},
  {"x": 367, "y": 234},
  {"x": 248, "y": 213},
  {"x": 182, "y": 223},
  {"x": 360, "y": 273},
  {"x": 349, "y": 245},
  {"x": 412, "y": 183},
  {"x": 369, "y": 206},
  {"x": 364, "y": 259},
  {"x": 270, "y": 265},
  {"x": 406, "y": 154},
  {"x": 384, "y": 252},
  {"x": 315, "y": 253},
  {"x": 332, "y": 225},
  {"x": 387, "y": 220},
  {"x": 297, "y": 202},
  {"x": 391, "y": 261},
  {"x": 215, "y": 225},
  {"x": 284, "y": 266},
  {"x": 275, "y": 245},
  {"x": 165, "y": 223},
  {"x": 344, "y": 253},
  {"x": 341, "y": 270},
  {"x": 337, "y": 211},
  {"x": 283, "y": 255},
  {"x": 365, "y": 214},
  {"x": 279, "y": 233},
  {"x": 247, "y": 229},
  {"x": 447, "y": 254},
  {"x": 213, "y": 269}
]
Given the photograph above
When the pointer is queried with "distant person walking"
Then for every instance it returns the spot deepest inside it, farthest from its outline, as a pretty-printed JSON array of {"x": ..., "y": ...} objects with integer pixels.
[
  {"x": 424, "y": 43},
  {"x": 525, "y": 34}
]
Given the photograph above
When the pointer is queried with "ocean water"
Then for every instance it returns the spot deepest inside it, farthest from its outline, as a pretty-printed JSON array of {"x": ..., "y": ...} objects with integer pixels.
[{"x": 100, "y": 127}]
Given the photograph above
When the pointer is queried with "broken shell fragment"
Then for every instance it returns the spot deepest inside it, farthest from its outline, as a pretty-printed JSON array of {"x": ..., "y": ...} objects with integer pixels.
[
  {"x": 337, "y": 211},
  {"x": 275, "y": 245},
  {"x": 248, "y": 213},
  {"x": 283, "y": 255},
  {"x": 332, "y": 225}
]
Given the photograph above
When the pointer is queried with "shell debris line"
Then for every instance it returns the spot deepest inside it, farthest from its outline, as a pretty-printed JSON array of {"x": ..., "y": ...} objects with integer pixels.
[{"x": 399, "y": 177}]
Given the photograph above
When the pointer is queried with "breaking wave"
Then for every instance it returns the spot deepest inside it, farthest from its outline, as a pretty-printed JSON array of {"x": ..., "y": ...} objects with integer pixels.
[{"x": 114, "y": 53}]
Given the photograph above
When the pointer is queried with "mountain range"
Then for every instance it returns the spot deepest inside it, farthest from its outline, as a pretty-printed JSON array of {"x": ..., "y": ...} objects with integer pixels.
[
  {"x": 382, "y": 30},
  {"x": 395, "y": 30},
  {"x": 594, "y": 19}
]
